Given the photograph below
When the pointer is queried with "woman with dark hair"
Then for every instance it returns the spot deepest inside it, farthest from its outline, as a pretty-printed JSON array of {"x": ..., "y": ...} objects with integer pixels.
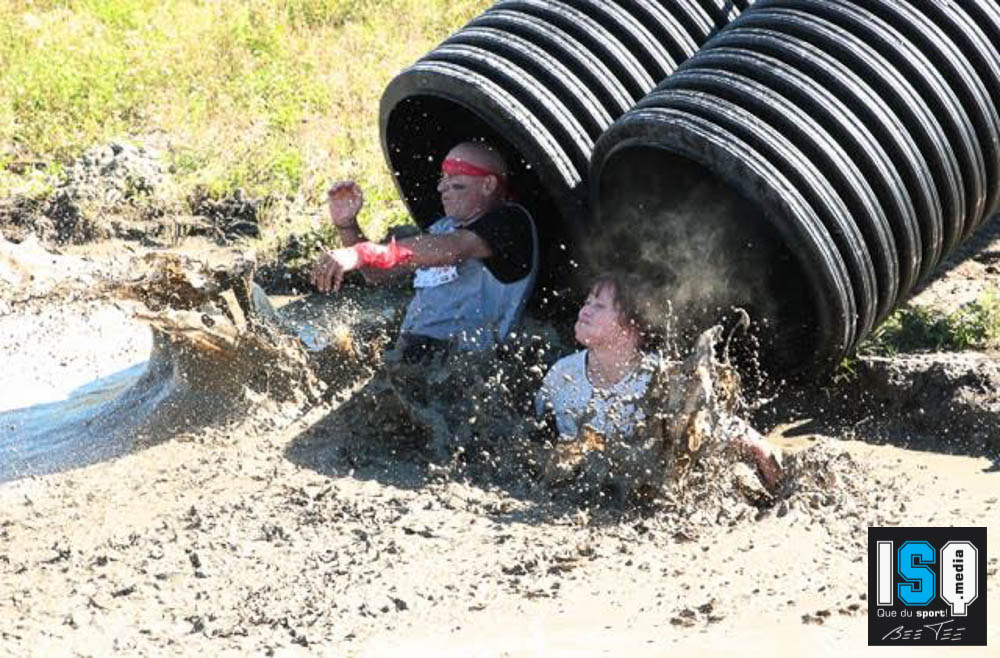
[{"x": 600, "y": 386}]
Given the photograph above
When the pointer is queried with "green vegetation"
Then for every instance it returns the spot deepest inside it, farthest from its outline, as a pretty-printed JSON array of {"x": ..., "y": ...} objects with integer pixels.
[
  {"x": 272, "y": 96},
  {"x": 974, "y": 325}
]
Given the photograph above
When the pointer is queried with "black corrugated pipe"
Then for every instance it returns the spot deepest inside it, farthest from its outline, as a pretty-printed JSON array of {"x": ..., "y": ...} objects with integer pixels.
[
  {"x": 813, "y": 163},
  {"x": 543, "y": 79}
]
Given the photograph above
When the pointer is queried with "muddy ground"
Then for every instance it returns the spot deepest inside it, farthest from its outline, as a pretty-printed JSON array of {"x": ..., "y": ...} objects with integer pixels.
[{"x": 263, "y": 534}]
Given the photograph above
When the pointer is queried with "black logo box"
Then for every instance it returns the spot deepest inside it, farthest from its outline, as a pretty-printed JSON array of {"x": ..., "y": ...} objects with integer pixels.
[{"x": 885, "y": 630}]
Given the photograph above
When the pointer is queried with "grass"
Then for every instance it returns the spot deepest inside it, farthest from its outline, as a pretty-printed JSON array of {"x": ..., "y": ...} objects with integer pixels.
[
  {"x": 974, "y": 325},
  {"x": 277, "y": 97}
]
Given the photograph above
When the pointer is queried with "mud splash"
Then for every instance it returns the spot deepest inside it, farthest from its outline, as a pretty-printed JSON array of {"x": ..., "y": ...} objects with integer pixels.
[
  {"x": 469, "y": 415},
  {"x": 211, "y": 355},
  {"x": 219, "y": 351},
  {"x": 469, "y": 418},
  {"x": 691, "y": 406},
  {"x": 217, "y": 348}
]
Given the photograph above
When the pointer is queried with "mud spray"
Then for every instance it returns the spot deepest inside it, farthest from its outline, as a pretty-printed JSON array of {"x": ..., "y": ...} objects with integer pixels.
[
  {"x": 220, "y": 352},
  {"x": 700, "y": 251}
]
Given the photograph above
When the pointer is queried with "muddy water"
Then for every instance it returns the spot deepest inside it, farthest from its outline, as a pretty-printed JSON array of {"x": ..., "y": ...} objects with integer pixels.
[
  {"x": 215, "y": 349},
  {"x": 96, "y": 367},
  {"x": 102, "y": 387},
  {"x": 60, "y": 368}
]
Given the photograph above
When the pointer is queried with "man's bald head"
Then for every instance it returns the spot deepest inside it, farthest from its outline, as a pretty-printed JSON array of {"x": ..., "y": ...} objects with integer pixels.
[
  {"x": 473, "y": 180},
  {"x": 482, "y": 156}
]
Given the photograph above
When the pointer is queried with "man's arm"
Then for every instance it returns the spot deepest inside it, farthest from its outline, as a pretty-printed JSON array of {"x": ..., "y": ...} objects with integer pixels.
[
  {"x": 420, "y": 251},
  {"x": 446, "y": 249}
]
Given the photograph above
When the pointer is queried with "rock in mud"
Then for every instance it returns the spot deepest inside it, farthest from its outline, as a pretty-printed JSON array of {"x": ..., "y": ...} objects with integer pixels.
[
  {"x": 123, "y": 190},
  {"x": 116, "y": 189}
]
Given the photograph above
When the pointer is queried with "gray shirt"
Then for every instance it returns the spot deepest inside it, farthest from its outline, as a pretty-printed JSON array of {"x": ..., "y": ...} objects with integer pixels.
[
  {"x": 467, "y": 303},
  {"x": 574, "y": 401}
]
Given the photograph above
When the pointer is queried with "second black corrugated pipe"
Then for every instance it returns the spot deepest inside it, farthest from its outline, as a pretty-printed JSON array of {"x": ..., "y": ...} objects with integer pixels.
[{"x": 813, "y": 163}]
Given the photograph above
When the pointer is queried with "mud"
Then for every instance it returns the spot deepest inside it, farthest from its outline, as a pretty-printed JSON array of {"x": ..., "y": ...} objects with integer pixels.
[
  {"x": 942, "y": 401},
  {"x": 117, "y": 189},
  {"x": 124, "y": 190},
  {"x": 218, "y": 347},
  {"x": 307, "y": 515}
]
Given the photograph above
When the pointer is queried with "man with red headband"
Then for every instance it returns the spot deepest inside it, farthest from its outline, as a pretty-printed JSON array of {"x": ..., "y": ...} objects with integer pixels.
[{"x": 473, "y": 269}]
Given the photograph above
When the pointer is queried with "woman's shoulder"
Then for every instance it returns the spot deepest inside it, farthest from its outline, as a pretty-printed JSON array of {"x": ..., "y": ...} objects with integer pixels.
[
  {"x": 574, "y": 360},
  {"x": 643, "y": 373},
  {"x": 571, "y": 364}
]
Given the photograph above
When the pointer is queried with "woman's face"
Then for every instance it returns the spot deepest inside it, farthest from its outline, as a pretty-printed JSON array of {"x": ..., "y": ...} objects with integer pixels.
[{"x": 599, "y": 322}]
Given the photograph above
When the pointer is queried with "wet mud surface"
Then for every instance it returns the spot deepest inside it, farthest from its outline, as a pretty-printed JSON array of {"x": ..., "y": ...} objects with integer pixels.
[{"x": 289, "y": 501}]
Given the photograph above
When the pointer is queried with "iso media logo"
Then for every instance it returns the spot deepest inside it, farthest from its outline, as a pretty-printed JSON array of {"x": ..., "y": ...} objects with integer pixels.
[{"x": 927, "y": 586}]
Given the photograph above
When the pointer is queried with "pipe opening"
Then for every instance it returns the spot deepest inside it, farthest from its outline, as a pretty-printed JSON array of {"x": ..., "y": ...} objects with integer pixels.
[
  {"x": 703, "y": 248},
  {"x": 420, "y": 130}
]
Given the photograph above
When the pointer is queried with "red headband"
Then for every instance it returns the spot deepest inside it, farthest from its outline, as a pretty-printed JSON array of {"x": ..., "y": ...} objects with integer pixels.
[{"x": 456, "y": 167}]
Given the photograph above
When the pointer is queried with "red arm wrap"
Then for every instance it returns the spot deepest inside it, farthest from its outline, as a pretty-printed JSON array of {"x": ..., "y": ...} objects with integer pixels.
[{"x": 382, "y": 257}]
